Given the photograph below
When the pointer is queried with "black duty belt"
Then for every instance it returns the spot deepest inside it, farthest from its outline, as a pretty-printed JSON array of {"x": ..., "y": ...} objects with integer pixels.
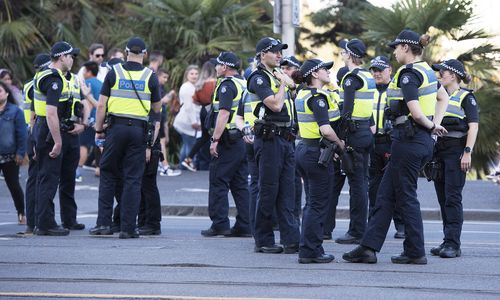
[
  {"x": 128, "y": 122},
  {"x": 311, "y": 142},
  {"x": 447, "y": 142},
  {"x": 382, "y": 139}
]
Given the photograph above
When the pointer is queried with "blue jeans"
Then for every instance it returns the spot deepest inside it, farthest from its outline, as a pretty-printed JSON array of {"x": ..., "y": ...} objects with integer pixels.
[{"x": 187, "y": 144}]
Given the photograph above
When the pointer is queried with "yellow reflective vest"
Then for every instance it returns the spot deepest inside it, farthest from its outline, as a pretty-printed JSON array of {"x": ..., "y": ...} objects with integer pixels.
[
  {"x": 241, "y": 86},
  {"x": 363, "y": 98},
  {"x": 379, "y": 106},
  {"x": 125, "y": 93},
  {"x": 40, "y": 101},
  {"x": 308, "y": 126},
  {"x": 427, "y": 92},
  {"x": 454, "y": 108},
  {"x": 27, "y": 100}
]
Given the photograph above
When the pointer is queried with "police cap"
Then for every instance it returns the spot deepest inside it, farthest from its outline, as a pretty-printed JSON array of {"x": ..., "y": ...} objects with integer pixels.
[
  {"x": 290, "y": 61},
  {"x": 226, "y": 58},
  {"x": 136, "y": 45},
  {"x": 63, "y": 48},
  {"x": 452, "y": 65},
  {"x": 380, "y": 63},
  {"x": 41, "y": 60},
  {"x": 312, "y": 65},
  {"x": 406, "y": 36},
  {"x": 270, "y": 44},
  {"x": 354, "y": 47}
]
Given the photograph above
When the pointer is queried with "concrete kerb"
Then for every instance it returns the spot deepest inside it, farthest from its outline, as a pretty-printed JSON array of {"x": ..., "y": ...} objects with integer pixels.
[{"x": 342, "y": 212}]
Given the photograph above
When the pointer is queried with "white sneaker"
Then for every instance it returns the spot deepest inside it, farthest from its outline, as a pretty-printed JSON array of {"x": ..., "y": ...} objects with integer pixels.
[
  {"x": 170, "y": 172},
  {"x": 79, "y": 178}
]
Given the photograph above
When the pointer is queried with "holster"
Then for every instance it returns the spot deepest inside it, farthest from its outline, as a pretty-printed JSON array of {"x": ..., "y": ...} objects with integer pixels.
[
  {"x": 433, "y": 170},
  {"x": 351, "y": 160},
  {"x": 232, "y": 135},
  {"x": 327, "y": 151}
]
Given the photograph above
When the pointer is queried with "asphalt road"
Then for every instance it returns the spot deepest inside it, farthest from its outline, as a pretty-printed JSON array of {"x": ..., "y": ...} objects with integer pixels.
[{"x": 181, "y": 264}]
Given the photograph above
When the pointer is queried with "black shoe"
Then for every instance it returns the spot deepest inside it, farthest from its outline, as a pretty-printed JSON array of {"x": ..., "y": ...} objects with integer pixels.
[
  {"x": 210, "y": 232},
  {"x": 29, "y": 230},
  {"x": 399, "y": 235},
  {"x": 269, "y": 249},
  {"x": 347, "y": 239},
  {"x": 129, "y": 235},
  {"x": 100, "y": 230},
  {"x": 322, "y": 259},
  {"x": 237, "y": 233},
  {"x": 74, "y": 226},
  {"x": 361, "y": 254},
  {"x": 403, "y": 259},
  {"x": 450, "y": 252},
  {"x": 149, "y": 231},
  {"x": 327, "y": 236},
  {"x": 55, "y": 231},
  {"x": 115, "y": 228},
  {"x": 435, "y": 251},
  {"x": 291, "y": 249}
]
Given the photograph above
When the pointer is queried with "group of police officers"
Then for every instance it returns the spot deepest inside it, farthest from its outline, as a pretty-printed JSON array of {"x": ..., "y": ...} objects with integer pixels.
[{"x": 283, "y": 127}]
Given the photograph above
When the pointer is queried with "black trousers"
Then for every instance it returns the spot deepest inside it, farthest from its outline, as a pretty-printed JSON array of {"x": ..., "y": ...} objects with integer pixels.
[{"x": 10, "y": 172}]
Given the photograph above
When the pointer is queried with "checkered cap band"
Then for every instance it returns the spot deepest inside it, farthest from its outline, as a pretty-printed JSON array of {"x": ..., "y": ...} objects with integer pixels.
[
  {"x": 452, "y": 69},
  {"x": 313, "y": 69}
]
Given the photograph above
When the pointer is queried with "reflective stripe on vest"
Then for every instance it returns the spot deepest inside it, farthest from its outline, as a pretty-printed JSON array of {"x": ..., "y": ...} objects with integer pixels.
[
  {"x": 250, "y": 102},
  {"x": 27, "y": 101},
  {"x": 241, "y": 86},
  {"x": 123, "y": 101},
  {"x": 308, "y": 126},
  {"x": 363, "y": 98},
  {"x": 40, "y": 103},
  {"x": 379, "y": 106},
  {"x": 454, "y": 108},
  {"x": 427, "y": 92}
]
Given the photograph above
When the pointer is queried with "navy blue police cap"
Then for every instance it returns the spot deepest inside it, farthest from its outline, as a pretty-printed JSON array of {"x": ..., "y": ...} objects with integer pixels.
[
  {"x": 354, "y": 47},
  {"x": 136, "y": 45},
  {"x": 380, "y": 63},
  {"x": 270, "y": 44},
  {"x": 226, "y": 58},
  {"x": 41, "y": 60},
  {"x": 452, "y": 65},
  {"x": 63, "y": 48},
  {"x": 406, "y": 36},
  {"x": 312, "y": 65},
  {"x": 290, "y": 61}
]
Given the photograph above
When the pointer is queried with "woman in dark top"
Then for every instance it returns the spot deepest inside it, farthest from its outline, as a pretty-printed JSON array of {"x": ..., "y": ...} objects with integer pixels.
[
  {"x": 454, "y": 151},
  {"x": 12, "y": 146},
  {"x": 316, "y": 111},
  {"x": 411, "y": 96}
]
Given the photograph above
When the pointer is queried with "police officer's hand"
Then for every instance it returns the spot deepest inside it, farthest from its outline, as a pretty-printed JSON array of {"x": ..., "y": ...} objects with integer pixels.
[
  {"x": 341, "y": 145},
  {"x": 79, "y": 128},
  {"x": 465, "y": 163},
  {"x": 19, "y": 159},
  {"x": 56, "y": 150},
  {"x": 213, "y": 149},
  {"x": 148, "y": 154},
  {"x": 439, "y": 130},
  {"x": 283, "y": 78}
]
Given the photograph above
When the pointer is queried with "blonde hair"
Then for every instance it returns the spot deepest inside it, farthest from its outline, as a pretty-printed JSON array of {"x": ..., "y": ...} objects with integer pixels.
[
  {"x": 188, "y": 69},
  {"x": 207, "y": 72}
]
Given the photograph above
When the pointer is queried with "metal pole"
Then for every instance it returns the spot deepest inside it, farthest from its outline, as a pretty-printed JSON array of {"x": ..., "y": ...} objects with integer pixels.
[{"x": 287, "y": 28}]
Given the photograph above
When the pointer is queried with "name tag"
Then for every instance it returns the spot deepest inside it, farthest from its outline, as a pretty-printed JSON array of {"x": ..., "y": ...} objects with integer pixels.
[{"x": 124, "y": 84}]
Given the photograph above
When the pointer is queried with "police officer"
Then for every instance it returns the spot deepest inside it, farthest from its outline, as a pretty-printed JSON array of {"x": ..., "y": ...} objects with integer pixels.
[
  {"x": 411, "y": 98},
  {"x": 338, "y": 174},
  {"x": 454, "y": 152},
  {"x": 128, "y": 94},
  {"x": 41, "y": 61},
  {"x": 288, "y": 65},
  {"x": 228, "y": 167},
  {"x": 274, "y": 138},
  {"x": 58, "y": 112},
  {"x": 315, "y": 111},
  {"x": 381, "y": 70},
  {"x": 358, "y": 92}
]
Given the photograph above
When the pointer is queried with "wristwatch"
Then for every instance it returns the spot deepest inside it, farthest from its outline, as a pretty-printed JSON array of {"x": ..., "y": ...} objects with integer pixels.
[
  {"x": 99, "y": 131},
  {"x": 214, "y": 140},
  {"x": 467, "y": 150}
]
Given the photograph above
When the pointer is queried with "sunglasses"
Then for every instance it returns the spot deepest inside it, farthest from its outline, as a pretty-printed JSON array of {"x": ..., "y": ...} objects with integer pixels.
[{"x": 99, "y": 55}]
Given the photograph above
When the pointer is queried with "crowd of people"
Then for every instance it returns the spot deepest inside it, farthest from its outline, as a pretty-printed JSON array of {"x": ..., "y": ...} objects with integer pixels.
[{"x": 283, "y": 124}]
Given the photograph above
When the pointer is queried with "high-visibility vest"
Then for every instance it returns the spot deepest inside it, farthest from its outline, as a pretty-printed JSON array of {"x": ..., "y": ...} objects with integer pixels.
[
  {"x": 379, "y": 105},
  {"x": 308, "y": 126},
  {"x": 454, "y": 108},
  {"x": 27, "y": 100},
  {"x": 275, "y": 85},
  {"x": 363, "y": 98},
  {"x": 128, "y": 88},
  {"x": 241, "y": 86},
  {"x": 427, "y": 92},
  {"x": 40, "y": 101}
]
